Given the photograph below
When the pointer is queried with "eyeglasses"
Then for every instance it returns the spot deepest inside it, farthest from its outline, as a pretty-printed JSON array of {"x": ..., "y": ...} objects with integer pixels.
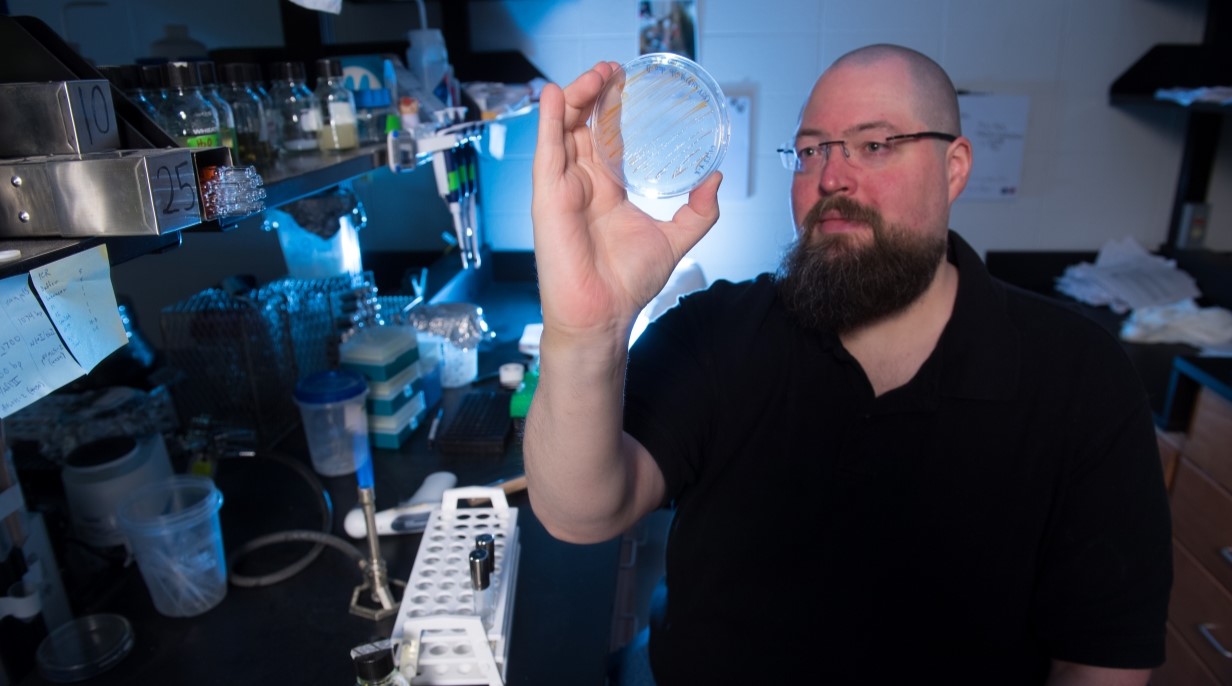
[{"x": 869, "y": 153}]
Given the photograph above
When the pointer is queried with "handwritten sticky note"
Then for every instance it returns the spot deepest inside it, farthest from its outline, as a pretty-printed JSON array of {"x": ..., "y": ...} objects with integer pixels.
[
  {"x": 77, "y": 294},
  {"x": 33, "y": 361}
]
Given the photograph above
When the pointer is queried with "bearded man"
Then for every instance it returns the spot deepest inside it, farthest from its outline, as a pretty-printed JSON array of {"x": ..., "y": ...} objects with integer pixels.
[{"x": 886, "y": 467}]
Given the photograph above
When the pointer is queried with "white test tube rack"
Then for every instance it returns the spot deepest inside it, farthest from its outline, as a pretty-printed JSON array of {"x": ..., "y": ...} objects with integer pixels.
[{"x": 438, "y": 639}]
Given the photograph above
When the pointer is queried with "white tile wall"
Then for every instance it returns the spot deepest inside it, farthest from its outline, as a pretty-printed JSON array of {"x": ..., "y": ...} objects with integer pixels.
[{"x": 1092, "y": 172}]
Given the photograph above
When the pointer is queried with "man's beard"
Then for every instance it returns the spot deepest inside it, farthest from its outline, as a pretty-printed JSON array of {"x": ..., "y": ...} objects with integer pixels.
[{"x": 828, "y": 283}]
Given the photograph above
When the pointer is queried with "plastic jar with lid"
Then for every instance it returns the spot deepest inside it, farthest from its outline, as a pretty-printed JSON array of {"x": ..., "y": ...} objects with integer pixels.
[
  {"x": 338, "y": 129},
  {"x": 296, "y": 109}
]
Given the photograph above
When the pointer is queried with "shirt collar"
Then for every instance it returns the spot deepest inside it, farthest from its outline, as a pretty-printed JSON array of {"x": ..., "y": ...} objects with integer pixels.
[{"x": 979, "y": 347}]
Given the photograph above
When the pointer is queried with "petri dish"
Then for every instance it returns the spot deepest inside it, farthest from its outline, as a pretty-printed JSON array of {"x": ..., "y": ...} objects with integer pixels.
[
  {"x": 661, "y": 125},
  {"x": 84, "y": 648}
]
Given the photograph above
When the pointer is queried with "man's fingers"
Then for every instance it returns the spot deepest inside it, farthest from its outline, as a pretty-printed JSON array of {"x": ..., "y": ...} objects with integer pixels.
[
  {"x": 550, "y": 148},
  {"x": 695, "y": 218},
  {"x": 580, "y": 95}
]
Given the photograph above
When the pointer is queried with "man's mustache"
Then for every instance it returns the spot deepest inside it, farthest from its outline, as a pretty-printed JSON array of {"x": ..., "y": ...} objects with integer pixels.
[{"x": 848, "y": 209}]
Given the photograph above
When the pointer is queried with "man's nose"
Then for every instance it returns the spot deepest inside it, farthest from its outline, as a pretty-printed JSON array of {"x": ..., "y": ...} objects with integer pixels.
[{"x": 836, "y": 173}]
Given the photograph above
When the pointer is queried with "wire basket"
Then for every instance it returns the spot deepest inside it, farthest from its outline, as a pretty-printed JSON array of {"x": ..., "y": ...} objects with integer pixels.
[{"x": 240, "y": 355}]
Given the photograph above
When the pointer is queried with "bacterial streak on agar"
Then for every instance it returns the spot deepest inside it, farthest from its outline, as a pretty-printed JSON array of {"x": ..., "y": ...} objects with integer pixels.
[{"x": 660, "y": 125}]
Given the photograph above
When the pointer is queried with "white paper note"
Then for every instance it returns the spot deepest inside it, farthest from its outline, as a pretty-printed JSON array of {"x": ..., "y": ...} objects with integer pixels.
[
  {"x": 997, "y": 127},
  {"x": 33, "y": 361},
  {"x": 78, "y": 296}
]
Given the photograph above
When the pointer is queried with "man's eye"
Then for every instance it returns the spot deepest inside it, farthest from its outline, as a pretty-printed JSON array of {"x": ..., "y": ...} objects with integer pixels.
[
  {"x": 807, "y": 151},
  {"x": 875, "y": 148}
]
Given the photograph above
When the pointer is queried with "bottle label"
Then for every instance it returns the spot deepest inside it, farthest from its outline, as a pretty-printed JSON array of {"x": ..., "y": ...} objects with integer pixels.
[
  {"x": 310, "y": 120},
  {"x": 208, "y": 140},
  {"x": 341, "y": 113}
]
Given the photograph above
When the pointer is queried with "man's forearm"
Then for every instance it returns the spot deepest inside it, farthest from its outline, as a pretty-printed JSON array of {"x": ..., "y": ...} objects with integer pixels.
[{"x": 584, "y": 475}]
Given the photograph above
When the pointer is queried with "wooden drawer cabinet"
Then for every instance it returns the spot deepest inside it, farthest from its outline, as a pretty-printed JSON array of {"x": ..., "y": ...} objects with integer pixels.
[
  {"x": 1209, "y": 443},
  {"x": 1199, "y": 474},
  {"x": 1201, "y": 610},
  {"x": 1202, "y": 520},
  {"x": 1169, "y": 454},
  {"x": 1184, "y": 667}
]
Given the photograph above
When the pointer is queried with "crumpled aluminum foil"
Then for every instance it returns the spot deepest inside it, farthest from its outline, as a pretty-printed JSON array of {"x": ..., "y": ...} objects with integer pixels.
[
  {"x": 462, "y": 324},
  {"x": 319, "y": 214}
]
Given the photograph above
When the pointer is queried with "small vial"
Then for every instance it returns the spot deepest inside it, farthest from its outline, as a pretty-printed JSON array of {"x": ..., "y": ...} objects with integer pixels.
[{"x": 481, "y": 584}]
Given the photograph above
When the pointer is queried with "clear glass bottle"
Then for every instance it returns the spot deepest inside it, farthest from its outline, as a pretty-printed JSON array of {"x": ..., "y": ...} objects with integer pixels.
[
  {"x": 376, "y": 668},
  {"x": 373, "y": 112},
  {"x": 251, "y": 134},
  {"x": 153, "y": 84},
  {"x": 186, "y": 115},
  {"x": 256, "y": 83},
  {"x": 296, "y": 109},
  {"x": 127, "y": 78},
  {"x": 338, "y": 130},
  {"x": 226, "y": 117}
]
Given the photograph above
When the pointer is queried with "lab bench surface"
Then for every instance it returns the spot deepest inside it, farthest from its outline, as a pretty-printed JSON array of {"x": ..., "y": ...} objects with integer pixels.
[{"x": 300, "y": 630}]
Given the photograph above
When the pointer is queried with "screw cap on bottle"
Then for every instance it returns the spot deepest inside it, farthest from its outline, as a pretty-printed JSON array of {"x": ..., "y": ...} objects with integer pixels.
[
  {"x": 181, "y": 75},
  {"x": 327, "y": 67},
  {"x": 374, "y": 665},
  {"x": 480, "y": 576}
]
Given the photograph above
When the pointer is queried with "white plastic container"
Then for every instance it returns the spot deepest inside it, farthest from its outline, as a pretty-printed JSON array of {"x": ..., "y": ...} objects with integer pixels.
[
  {"x": 332, "y": 405},
  {"x": 98, "y": 476}
]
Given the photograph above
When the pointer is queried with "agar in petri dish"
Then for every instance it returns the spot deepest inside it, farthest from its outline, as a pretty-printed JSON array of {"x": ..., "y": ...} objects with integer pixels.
[{"x": 661, "y": 125}]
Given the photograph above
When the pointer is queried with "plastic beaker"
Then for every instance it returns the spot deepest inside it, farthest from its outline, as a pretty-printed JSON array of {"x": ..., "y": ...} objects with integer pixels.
[
  {"x": 172, "y": 528},
  {"x": 332, "y": 405}
]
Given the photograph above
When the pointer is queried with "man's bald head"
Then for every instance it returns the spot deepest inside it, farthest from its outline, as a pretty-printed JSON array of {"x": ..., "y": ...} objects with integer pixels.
[{"x": 934, "y": 98}]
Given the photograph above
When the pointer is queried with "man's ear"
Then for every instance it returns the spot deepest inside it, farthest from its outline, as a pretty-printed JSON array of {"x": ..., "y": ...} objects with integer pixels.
[{"x": 958, "y": 166}]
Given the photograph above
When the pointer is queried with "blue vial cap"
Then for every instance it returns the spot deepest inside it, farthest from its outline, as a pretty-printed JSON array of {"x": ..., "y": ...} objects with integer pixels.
[{"x": 332, "y": 386}]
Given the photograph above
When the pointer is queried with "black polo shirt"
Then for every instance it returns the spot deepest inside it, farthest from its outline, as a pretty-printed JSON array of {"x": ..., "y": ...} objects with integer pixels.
[{"x": 1004, "y": 507}]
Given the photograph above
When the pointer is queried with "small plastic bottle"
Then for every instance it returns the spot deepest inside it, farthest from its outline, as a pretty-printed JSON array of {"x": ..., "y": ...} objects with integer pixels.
[
  {"x": 186, "y": 115},
  {"x": 226, "y": 117},
  {"x": 297, "y": 110},
  {"x": 376, "y": 668},
  {"x": 338, "y": 130}
]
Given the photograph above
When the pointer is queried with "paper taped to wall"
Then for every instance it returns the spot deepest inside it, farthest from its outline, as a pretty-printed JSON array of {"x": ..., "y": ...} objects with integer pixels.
[{"x": 997, "y": 127}]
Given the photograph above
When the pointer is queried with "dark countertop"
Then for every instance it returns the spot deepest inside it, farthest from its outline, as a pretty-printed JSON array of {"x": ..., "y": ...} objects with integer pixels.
[{"x": 300, "y": 630}]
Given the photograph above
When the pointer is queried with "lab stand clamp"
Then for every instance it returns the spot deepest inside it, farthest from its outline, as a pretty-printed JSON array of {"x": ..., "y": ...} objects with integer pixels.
[{"x": 448, "y": 631}]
